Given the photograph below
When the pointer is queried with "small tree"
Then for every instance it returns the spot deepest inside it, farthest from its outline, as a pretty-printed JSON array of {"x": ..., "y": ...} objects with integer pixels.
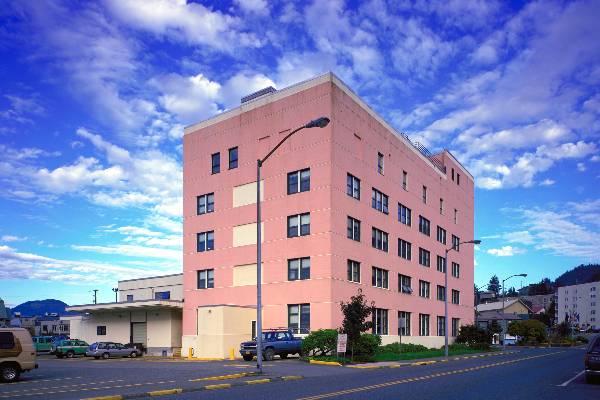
[
  {"x": 356, "y": 318},
  {"x": 473, "y": 336},
  {"x": 531, "y": 330},
  {"x": 494, "y": 285}
]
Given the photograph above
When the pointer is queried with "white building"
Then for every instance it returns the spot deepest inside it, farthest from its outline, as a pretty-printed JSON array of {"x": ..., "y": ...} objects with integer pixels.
[
  {"x": 580, "y": 305},
  {"x": 148, "y": 312}
]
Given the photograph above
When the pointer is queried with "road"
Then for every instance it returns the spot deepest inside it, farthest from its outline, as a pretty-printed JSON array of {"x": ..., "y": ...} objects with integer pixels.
[{"x": 526, "y": 374}]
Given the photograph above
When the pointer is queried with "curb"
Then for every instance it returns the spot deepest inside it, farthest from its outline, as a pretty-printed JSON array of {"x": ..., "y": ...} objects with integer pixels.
[
  {"x": 334, "y": 363},
  {"x": 224, "y": 377},
  {"x": 219, "y": 386}
]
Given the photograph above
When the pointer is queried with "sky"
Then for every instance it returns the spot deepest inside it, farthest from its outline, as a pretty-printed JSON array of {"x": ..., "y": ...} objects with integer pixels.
[{"x": 94, "y": 97}]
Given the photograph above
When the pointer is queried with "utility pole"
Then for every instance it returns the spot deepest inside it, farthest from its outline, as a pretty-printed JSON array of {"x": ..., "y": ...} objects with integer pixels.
[{"x": 95, "y": 296}]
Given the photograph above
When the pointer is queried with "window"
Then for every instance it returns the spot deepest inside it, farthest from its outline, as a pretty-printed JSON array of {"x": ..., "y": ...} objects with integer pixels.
[
  {"x": 455, "y": 297},
  {"x": 298, "y": 181},
  {"x": 101, "y": 330},
  {"x": 404, "y": 214},
  {"x": 379, "y": 239},
  {"x": 353, "y": 271},
  {"x": 380, "y": 278},
  {"x": 253, "y": 329},
  {"x": 7, "y": 341},
  {"x": 404, "y": 285},
  {"x": 424, "y": 194},
  {"x": 404, "y": 180},
  {"x": 353, "y": 187},
  {"x": 206, "y": 241},
  {"x": 424, "y": 257},
  {"x": 452, "y": 174},
  {"x": 424, "y": 225},
  {"x": 298, "y": 225},
  {"x": 233, "y": 158},
  {"x": 455, "y": 326},
  {"x": 299, "y": 318},
  {"x": 441, "y": 326},
  {"x": 404, "y": 249},
  {"x": 216, "y": 163},
  {"x": 205, "y": 203},
  {"x": 206, "y": 279},
  {"x": 441, "y": 206},
  {"x": 455, "y": 216},
  {"x": 456, "y": 270},
  {"x": 379, "y": 201},
  {"x": 380, "y": 321},
  {"x": 353, "y": 229},
  {"x": 457, "y": 178},
  {"x": 162, "y": 295},
  {"x": 441, "y": 293},
  {"x": 403, "y": 323},
  {"x": 129, "y": 298},
  {"x": 456, "y": 243},
  {"x": 424, "y": 324},
  {"x": 441, "y": 264},
  {"x": 441, "y": 235},
  {"x": 380, "y": 163},
  {"x": 299, "y": 269},
  {"x": 424, "y": 289}
]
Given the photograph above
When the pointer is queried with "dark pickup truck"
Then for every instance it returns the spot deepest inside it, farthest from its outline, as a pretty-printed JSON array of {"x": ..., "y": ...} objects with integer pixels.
[{"x": 275, "y": 342}]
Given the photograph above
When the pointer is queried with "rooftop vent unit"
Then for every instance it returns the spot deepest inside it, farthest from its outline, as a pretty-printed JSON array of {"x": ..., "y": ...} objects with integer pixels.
[{"x": 260, "y": 93}]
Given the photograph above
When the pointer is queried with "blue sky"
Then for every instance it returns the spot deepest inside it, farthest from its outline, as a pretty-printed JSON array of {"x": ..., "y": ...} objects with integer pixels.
[{"x": 94, "y": 97}]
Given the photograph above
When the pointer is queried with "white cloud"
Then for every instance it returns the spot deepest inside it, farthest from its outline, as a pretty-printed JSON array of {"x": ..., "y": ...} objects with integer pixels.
[
  {"x": 505, "y": 251},
  {"x": 22, "y": 108},
  {"x": 133, "y": 251},
  {"x": 547, "y": 182},
  {"x": 581, "y": 167},
  {"x": 12, "y": 238},
  {"x": 260, "y": 7}
]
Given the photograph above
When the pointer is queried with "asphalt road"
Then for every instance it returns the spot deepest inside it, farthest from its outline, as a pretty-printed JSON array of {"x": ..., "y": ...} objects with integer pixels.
[{"x": 526, "y": 374}]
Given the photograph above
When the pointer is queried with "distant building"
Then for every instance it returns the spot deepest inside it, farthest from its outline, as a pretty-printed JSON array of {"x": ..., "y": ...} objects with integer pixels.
[
  {"x": 4, "y": 315},
  {"x": 542, "y": 300},
  {"x": 22, "y": 321},
  {"x": 148, "y": 313},
  {"x": 52, "y": 325},
  {"x": 503, "y": 313},
  {"x": 579, "y": 305},
  {"x": 486, "y": 297}
]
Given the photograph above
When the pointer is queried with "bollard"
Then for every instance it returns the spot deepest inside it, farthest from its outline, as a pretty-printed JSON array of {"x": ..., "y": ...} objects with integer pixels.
[
  {"x": 190, "y": 353},
  {"x": 232, "y": 353}
]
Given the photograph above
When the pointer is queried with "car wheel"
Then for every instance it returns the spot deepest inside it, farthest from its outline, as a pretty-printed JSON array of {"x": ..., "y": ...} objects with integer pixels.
[
  {"x": 269, "y": 354},
  {"x": 133, "y": 354},
  {"x": 105, "y": 356},
  {"x": 283, "y": 356},
  {"x": 9, "y": 373},
  {"x": 247, "y": 357},
  {"x": 70, "y": 354}
]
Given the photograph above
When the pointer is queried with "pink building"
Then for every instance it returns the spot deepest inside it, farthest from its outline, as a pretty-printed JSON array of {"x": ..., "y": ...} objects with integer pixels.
[{"x": 353, "y": 205}]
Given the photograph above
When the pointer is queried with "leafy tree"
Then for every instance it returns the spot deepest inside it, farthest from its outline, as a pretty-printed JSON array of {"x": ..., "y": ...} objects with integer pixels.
[
  {"x": 356, "y": 318},
  {"x": 563, "y": 329},
  {"x": 530, "y": 331},
  {"x": 473, "y": 336},
  {"x": 511, "y": 292},
  {"x": 494, "y": 285}
]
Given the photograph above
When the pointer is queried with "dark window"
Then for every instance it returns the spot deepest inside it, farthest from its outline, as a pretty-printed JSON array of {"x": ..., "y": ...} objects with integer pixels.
[
  {"x": 441, "y": 264},
  {"x": 206, "y": 241},
  {"x": 424, "y": 289},
  {"x": 353, "y": 229},
  {"x": 7, "y": 341},
  {"x": 216, "y": 163},
  {"x": 456, "y": 270},
  {"x": 101, "y": 330},
  {"x": 458, "y": 179},
  {"x": 404, "y": 249},
  {"x": 379, "y": 278},
  {"x": 404, "y": 180},
  {"x": 379, "y": 201},
  {"x": 424, "y": 225},
  {"x": 424, "y": 257},
  {"x": 441, "y": 326},
  {"x": 441, "y": 235},
  {"x": 403, "y": 323},
  {"x": 455, "y": 216},
  {"x": 423, "y": 324},
  {"x": 129, "y": 298},
  {"x": 455, "y": 297},
  {"x": 380, "y": 163},
  {"x": 205, "y": 203},
  {"x": 353, "y": 186},
  {"x": 206, "y": 279},
  {"x": 404, "y": 214},
  {"x": 299, "y": 269},
  {"x": 353, "y": 271},
  {"x": 424, "y": 194},
  {"x": 379, "y": 239},
  {"x": 441, "y": 293},
  {"x": 162, "y": 295},
  {"x": 380, "y": 321},
  {"x": 404, "y": 284},
  {"x": 233, "y": 158},
  {"x": 452, "y": 174},
  {"x": 298, "y": 225},
  {"x": 441, "y": 206},
  {"x": 298, "y": 181},
  {"x": 456, "y": 243},
  {"x": 299, "y": 318},
  {"x": 455, "y": 326}
]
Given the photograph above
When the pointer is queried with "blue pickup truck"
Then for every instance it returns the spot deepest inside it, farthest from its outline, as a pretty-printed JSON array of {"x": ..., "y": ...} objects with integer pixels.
[{"x": 280, "y": 342}]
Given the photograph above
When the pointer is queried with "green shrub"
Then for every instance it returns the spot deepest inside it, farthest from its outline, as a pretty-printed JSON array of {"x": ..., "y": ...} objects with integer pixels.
[
  {"x": 581, "y": 339},
  {"x": 531, "y": 331},
  {"x": 474, "y": 337},
  {"x": 403, "y": 348},
  {"x": 320, "y": 343},
  {"x": 366, "y": 347}
]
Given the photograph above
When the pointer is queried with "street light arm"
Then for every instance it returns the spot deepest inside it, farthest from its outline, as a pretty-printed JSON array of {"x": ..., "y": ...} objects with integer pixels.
[{"x": 260, "y": 162}]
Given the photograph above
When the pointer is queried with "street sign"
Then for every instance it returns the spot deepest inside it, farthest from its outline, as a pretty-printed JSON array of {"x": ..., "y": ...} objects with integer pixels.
[{"x": 342, "y": 339}]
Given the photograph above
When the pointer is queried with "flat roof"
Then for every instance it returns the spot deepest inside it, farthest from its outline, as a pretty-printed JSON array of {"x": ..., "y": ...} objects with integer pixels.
[
  {"x": 151, "y": 277},
  {"x": 307, "y": 84},
  {"x": 124, "y": 306}
]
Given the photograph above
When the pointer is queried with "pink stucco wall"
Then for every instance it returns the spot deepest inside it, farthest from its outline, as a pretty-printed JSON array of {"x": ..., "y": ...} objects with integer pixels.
[{"x": 330, "y": 153}]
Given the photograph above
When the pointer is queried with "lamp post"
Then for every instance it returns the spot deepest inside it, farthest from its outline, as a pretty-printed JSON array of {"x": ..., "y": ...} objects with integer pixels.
[
  {"x": 504, "y": 327},
  {"x": 116, "y": 290},
  {"x": 316, "y": 123},
  {"x": 454, "y": 247}
]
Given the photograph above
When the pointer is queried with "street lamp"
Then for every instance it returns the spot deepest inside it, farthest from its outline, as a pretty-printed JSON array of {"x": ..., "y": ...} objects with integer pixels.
[
  {"x": 454, "y": 247},
  {"x": 504, "y": 327},
  {"x": 316, "y": 123},
  {"x": 116, "y": 290}
]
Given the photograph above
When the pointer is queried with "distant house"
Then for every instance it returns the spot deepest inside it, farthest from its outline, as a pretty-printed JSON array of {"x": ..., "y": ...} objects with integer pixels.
[
  {"x": 486, "y": 297},
  {"x": 543, "y": 300},
  {"x": 502, "y": 313},
  {"x": 52, "y": 325},
  {"x": 4, "y": 315}
]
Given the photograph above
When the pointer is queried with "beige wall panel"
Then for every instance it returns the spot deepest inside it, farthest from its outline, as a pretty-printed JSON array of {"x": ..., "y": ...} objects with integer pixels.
[
  {"x": 246, "y": 194},
  {"x": 244, "y": 235}
]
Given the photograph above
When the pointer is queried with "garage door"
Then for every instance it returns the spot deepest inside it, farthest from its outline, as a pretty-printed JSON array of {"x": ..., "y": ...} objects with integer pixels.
[{"x": 139, "y": 332}]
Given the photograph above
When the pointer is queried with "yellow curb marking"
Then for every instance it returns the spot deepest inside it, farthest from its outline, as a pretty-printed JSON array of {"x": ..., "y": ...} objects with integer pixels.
[
  {"x": 219, "y": 386},
  {"x": 222, "y": 377},
  {"x": 291, "y": 377},
  {"x": 258, "y": 381},
  {"x": 164, "y": 392},
  {"x": 337, "y": 364}
]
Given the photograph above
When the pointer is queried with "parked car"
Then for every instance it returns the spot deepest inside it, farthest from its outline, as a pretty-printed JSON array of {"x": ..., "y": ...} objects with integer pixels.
[
  {"x": 592, "y": 359},
  {"x": 69, "y": 348},
  {"x": 43, "y": 343},
  {"x": 279, "y": 342},
  {"x": 17, "y": 353},
  {"x": 107, "y": 350}
]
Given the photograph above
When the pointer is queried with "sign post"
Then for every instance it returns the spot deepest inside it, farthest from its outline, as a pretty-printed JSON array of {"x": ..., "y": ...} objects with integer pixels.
[{"x": 342, "y": 340}]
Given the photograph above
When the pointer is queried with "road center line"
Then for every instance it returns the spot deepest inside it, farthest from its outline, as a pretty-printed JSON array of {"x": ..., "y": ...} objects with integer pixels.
[{"x": 571, "y": 380}]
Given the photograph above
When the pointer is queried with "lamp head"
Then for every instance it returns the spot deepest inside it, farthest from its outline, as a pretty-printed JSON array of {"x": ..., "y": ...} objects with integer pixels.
[
  {"x": 321, "y": 122},
  {"x": 476, "y": 241}
]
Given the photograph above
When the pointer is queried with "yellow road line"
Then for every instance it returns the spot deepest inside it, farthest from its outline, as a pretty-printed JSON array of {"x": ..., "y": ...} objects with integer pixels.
[{"x": 407, "y": 380}]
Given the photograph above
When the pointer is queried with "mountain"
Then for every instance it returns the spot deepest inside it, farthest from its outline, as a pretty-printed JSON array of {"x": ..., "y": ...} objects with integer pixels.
[
  {"x": 41, "y": 307},
  {"x": 581, "y": 274}
]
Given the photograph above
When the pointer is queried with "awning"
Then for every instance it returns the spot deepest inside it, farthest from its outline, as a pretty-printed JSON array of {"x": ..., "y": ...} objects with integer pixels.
[{"x": 124, "y": 306}]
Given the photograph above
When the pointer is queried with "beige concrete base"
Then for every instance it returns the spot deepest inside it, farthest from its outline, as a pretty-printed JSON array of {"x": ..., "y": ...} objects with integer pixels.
[{"x": 427, "y": 341}]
